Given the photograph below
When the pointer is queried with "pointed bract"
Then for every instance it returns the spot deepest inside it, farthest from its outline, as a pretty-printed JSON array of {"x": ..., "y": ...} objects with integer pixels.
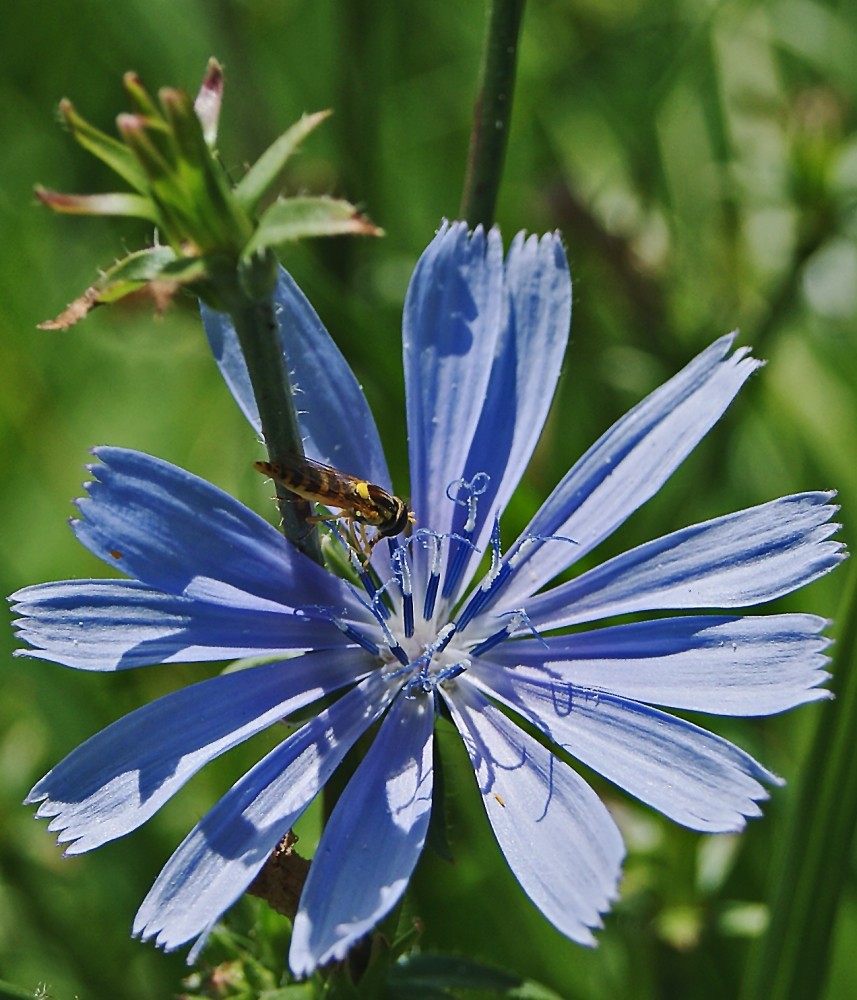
[{"x": 167, "y": 154}]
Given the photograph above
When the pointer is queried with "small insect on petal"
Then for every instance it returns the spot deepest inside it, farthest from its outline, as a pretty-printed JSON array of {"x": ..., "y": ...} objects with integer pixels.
[{"x": 359, "y": 501}]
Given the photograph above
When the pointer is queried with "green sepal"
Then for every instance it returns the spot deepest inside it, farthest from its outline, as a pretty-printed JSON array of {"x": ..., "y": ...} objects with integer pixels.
[
  {"x": 139, "y": 96},
  {"x": 294, "y": 219},
  {"x": 262, "y": 177},
  {"x": 176, "y": 271},
  {"x": 201, "y": 177},
  {"x": 258, "y": 275},
  {"x": 120, "y": 203},
  {"x": 185, "y": 129},
  {"x": 115, "y": 154},
  {"x": 158, "y": 157},
  {"x": 148, "y": 140},
  {"x": 141, "y": 265},
  {"x": 206, "y": 225},
  {"x": 157, "y": 267}
]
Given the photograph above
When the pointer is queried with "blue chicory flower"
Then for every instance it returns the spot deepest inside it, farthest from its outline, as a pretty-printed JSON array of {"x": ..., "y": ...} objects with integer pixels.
[{"x": 484, "y": 339}]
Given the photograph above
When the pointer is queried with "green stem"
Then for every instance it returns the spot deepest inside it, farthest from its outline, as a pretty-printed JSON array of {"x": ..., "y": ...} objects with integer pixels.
[
  {"x": 258, "y": 332},
  {"x": 492, "y": 113},
  {"x": 793, "y": 960}
]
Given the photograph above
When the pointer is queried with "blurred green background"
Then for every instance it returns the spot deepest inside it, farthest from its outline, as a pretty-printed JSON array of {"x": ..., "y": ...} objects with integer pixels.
[{"x": 700, "y": 160}]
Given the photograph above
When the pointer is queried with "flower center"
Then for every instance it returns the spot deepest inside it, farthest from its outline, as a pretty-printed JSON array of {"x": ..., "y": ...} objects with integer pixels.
[
  {"x": 409, "y": 640},
  {"x": 432, "y": 663}
]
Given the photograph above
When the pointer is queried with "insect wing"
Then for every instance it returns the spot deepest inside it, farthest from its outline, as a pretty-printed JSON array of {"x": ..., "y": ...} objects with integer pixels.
[
  {"x": 359, "y": 500},
  {"x": 311, "y": 480}
]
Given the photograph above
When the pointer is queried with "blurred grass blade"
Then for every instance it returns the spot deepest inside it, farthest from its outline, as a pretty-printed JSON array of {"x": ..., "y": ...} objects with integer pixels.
[
  {"x": 10, "y": 992},
  {"x": 794, "y": 957}
]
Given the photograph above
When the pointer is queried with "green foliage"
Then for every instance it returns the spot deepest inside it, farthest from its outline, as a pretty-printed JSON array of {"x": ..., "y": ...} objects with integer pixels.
[{"x": 700, "y": 161}]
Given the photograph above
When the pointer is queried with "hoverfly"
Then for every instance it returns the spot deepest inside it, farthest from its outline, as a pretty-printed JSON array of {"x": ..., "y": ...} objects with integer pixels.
[{"x": 361, "y": 503}]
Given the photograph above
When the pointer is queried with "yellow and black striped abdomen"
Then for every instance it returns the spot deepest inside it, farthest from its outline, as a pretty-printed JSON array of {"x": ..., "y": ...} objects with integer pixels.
[{"x": 358, "y": 499}]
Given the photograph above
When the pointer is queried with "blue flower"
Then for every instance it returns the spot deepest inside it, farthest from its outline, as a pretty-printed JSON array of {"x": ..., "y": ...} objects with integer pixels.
[{"x": 439, "y": 630}]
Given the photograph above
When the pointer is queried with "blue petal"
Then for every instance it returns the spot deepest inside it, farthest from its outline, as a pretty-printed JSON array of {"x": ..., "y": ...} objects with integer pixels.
[
  {"x": 224, "y": 344},
  {"x": 687, "y": 773},
  {"x": 371, "y": 842},
  {"x": 558, "y": 838},
  {"x": 118, "y": 624},
  {"x": 627, "y": 466},
  {"x": 177, "y": 533},
  {"x": 117, "y": 779},
  {"x": 732, "y": 561},
  {"x": 524, "y": 373},
  {"x": 721, "y": 665},
  {"x": 335, "y": 420},
  {"x": 222, "y": 855},
  {"x": 455, "y": 310}
]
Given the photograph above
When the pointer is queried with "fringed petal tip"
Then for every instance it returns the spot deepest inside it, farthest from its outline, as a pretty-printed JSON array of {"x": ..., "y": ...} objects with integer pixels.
[
  {"x": 152, "y": 933},
  {"x": 34, "y": 797},
  {"x": 65, "y": 832}
]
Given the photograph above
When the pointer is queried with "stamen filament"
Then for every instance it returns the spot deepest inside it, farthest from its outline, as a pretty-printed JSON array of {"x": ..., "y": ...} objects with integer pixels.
[
  {"x": 470, "y": 492},
  {"x": 481, "y": 597},
  {"x": 408, "y": 615},
  {"x": 402, "y": 571},
  {"x": 431, "y": 596},
  {"x": 516, "y": 620},
  {"x": 356, "y": 636}
]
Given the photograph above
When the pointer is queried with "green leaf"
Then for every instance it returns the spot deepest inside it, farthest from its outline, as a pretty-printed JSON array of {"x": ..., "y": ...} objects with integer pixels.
[
  {"x": 530, "y": 990},
  {"x": 265, "y": 172},
  {"x": 299, "y": 218},
  {"x": 431, "y": 977},
  {"x": 297, "y": 991},
  {"x": 808, "y": 878},
  {"x": 119, "y": 203}
]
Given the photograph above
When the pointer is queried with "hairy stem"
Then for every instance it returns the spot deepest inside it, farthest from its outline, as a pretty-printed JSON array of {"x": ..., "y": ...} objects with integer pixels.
[{"x": 258, "y": 332}]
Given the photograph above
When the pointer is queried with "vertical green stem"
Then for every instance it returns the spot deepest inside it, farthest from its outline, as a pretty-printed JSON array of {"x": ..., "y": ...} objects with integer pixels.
[
  {"x": 807, "y": 879},
  {"x": 258, "y": 332},
  {"x": 493, "y": 112}
]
